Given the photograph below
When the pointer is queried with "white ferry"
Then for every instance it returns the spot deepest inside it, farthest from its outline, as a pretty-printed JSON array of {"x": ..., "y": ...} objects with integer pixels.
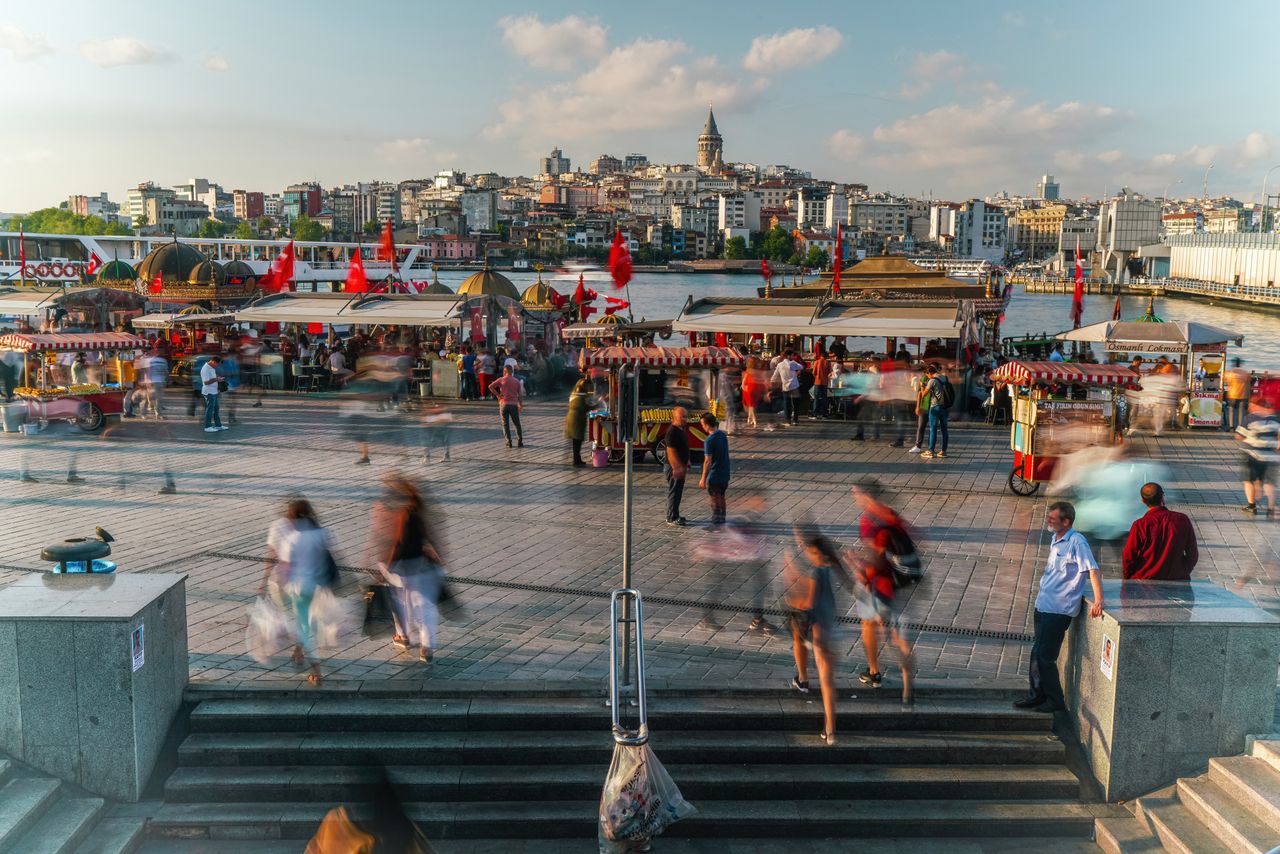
[
  {"x": 956, "y": 268},
  {"x": 55, "y": 259}
]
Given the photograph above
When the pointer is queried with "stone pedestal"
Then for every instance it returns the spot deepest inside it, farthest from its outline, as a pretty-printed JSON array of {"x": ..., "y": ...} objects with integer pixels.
[
  {"x": 1172, "y": 674},
  {"x": 92, "y": 669}
]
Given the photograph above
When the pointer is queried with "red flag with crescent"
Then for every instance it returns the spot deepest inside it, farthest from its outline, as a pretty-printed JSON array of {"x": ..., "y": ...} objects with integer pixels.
[
  {"x": 620, "y": 261},
  {"x": 357, "y": 281}
]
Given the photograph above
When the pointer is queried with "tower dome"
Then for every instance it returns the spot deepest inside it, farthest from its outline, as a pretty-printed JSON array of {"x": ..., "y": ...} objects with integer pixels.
[{"x": 710, "y": 144}]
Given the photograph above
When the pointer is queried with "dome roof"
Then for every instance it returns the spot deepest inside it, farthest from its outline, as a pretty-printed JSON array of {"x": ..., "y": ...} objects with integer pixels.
[
  {"x": 207, "y": 272},
  {"x": 117, "y": 271},
  {"x": 488, "y": 283},
  {"x": 437, "y": 287},
  {"x": 173, "y": 261},
  {"x": 539, "y": 293},
  {"x": 238, "y": 270}
]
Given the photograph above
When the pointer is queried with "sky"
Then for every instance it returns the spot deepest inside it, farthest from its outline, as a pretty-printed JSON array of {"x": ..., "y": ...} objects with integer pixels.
[{"x": 941, "y": 99}]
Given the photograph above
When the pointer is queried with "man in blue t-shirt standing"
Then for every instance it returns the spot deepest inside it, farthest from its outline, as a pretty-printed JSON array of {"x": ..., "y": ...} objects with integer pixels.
[{"x": 715, "y": 467}]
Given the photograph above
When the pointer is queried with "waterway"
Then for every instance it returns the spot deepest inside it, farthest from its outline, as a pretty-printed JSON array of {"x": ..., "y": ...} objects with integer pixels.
[{"x": 662, "y": 295}]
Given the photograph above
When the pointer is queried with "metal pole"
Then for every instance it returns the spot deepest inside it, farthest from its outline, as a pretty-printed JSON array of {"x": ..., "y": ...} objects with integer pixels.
[
  {"x": 628, "y": 473},
  {"x": 1262, "y": 223}
]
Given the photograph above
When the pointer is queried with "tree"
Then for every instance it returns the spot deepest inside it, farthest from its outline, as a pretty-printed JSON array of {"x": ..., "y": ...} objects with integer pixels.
[
  {"x": 735, "y": 248},
  {"x": 817, "y": 258},
  {"x": 306, "y": 228},
  {"x": 778, "y": 244},
  {"x": 212, "y": 228},
  {"x": 141, "y": 221},
  {"x": 265, "y": 225},
  {"x": 371, "y": 228},
  {"x": 243, "y": 231},
  {"x": 60, "y": 220}
]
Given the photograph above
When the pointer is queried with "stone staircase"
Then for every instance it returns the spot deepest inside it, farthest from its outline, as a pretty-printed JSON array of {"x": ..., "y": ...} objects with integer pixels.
[
  {"x": 1232, "y": 809},
  {"x": 531, "y": 767},
  {"x": 43, "y": 815}
]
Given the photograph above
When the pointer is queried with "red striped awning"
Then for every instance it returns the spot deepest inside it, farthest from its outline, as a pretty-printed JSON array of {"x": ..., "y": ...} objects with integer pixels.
[
  {"x": 662, "y": 357},
  {"x": 1025, "y": 373},
  {"x": 72, "y": 341}
]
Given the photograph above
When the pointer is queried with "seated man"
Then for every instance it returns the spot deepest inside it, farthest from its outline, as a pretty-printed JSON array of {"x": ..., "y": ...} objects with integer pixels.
[{"x": 338, "y": 370}]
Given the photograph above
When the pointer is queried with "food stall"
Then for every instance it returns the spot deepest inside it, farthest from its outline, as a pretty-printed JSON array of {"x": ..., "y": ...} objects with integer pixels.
[
  {"x": 669, "y": 377},
  {"x": 1058, "y": 407},
  {"x": 607, "y": 329},
  {"x": 1197, "y": 349},
  {"x": 87, "y": 405}
]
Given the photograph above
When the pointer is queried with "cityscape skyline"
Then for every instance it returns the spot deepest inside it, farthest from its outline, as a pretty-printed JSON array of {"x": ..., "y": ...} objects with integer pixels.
[{"x": 944, "y": 105}]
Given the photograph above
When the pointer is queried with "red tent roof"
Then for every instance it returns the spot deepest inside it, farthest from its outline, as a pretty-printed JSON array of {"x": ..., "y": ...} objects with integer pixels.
[
  {"x": 73, "y": 341},
  {"x": 1025, "y": 373},
  {"x": 662, "y": 357}
]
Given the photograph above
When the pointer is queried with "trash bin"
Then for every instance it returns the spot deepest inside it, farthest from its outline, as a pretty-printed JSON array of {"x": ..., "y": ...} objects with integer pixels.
[
  {"x": 80, "y": 554},
  {"x": 96, "y": 567},
  {"x": 599, "y": 457}
]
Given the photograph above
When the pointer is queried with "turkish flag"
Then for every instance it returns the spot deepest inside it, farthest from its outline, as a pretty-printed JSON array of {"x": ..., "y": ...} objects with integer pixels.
[
  {"x": 765, "y": 272},
  {"x": 387, "y": 248},
  {"x": 357, "y": 282},
  {"x": 836, "y": 261},
  {"x": 722, "y": 340},
  {"x": 94, "y": 265},
  {"x": 1077, "y": 298},
  {"x": 620, "y": 261},
  {"x": 559, "y": 300},
  {"x": 157, "y": 284},
  {"x": 315, "y": 328},
  {"x": 477, "y": 325},
  {"x": 617, "y": 303},
  {"x": 281, "y": 272}
]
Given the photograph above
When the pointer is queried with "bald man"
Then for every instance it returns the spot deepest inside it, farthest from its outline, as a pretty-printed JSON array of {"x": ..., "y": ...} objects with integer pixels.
[{"x": 1161, "y": 544}]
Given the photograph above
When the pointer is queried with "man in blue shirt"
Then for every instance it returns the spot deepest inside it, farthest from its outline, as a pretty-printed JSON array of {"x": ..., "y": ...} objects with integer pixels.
[
  {"x": 1069, "y": 568},
  {"x": 715, "y": 467}
]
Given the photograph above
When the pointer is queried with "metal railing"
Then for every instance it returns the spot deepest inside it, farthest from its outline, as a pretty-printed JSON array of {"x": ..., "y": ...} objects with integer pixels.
[{"x": 630, "y": 679}]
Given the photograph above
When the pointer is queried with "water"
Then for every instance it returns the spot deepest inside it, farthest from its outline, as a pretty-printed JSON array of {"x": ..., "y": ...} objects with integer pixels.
[{"x": 661, "y": 295}]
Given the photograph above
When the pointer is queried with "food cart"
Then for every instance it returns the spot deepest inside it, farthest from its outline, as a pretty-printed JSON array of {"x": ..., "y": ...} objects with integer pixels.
[
  {"x": 87, "y": 406},
  {"x": 669, "y": 377},
  {"x": 1058, "y": 407}
]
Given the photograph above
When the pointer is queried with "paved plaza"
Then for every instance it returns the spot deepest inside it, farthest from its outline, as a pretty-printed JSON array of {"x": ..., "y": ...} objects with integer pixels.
[{"x": 534, "y": 545}]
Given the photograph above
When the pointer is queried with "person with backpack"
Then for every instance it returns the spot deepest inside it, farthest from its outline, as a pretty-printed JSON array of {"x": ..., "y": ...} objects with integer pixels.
[
  {"x": 941, "y": 396},
  {"x": 892, "y": 563}
]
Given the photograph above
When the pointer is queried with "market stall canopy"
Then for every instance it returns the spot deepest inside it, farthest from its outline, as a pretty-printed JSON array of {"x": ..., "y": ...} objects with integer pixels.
[
  {"x": 595, "y": 331},
  {"x": 160, "y": 320},
  {"x": 405, "y": 310},
  {"x": 299, "y": 308},
  {"x": 28, "y": 302},
  {"x": 73, "y": 341},
  {"x": 1170, "y": 336},
  {"x": 1026, "y": 373},
  {"x": 746, "y": 315},
  {"x": 869, "y": 318},
  {"x": 662, "y": 357}
]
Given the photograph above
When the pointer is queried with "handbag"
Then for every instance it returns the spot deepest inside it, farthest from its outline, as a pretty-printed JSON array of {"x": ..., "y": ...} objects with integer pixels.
[
  {"x": 329, "y": 572},
  {"x": 378, "y": 613}
]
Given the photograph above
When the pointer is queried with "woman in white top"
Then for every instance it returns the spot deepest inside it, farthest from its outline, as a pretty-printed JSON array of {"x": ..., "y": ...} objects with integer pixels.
[{"x": 301, "y": 550}]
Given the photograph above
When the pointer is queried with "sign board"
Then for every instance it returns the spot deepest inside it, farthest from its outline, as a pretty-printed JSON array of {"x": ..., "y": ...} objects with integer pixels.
[
  {"x": 1108, "y": 662},
  {"x": 1204, "y": 409},
  {"x": 137, "y": 647},
  {"x": 1114, "y": 345}
]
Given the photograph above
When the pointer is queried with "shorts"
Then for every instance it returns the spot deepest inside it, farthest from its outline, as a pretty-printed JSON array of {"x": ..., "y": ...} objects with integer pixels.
[
  {"x": 803, "y": 624},
  {"x": 872, "y": 607},
  {"x": 1256, "y": 469}
]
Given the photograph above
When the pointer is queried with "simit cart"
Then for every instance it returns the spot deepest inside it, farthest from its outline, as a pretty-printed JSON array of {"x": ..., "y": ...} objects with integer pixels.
[
  {"x": 1059, "y": 407},
  {"x": 86, "y": 405}
]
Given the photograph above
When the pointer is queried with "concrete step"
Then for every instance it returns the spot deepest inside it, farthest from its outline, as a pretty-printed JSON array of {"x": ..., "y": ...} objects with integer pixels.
[
  {"x": 326, "y": 784},
  {"x": 669, "y": 845},
  {"x": 1253, "y": 784},
  {"x": 1125, "y": 836},
  {"x": 561, "y": 748},
  {"x": 62, "y": 827},
  {"x": 22, "y": 802},
  {"x": 1233, "y": 824},
  {"x": 6, "y": 770},
  {"x": 116, "y": 835},
  {"x": 775, "y": 819},
  {"x": 1267, "y": 750},
  {"x": 361, "y": 714},
  {"x": 1177, "y": 828}
]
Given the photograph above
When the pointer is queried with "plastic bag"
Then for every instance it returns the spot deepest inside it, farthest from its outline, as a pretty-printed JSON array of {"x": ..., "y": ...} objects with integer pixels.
[
  {"x": 269, "y": 629},
  {"x": 331, "y": 618},
  {"x": 640, "y": 800}
]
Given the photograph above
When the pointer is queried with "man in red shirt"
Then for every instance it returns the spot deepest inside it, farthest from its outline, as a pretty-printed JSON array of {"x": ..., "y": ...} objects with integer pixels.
[
  {"x": 509, "y": 391},
  {"x": 1161, "y": 544}
]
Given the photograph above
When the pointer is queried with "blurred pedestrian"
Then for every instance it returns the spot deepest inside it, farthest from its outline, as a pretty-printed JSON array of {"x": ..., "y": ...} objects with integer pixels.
[
  {"x": 811, "y": 573},
  {"x": 1162, "y": 544},
  {"x": 437, "y": 424},
  {"x": 675, "y": 464},
  {"x": 303, "y": 564},
  {"x": 715, "y": 467},
  {"x": 486, "y": 370},
  {"x": 510, "y": 394},
  {"x": 210, "y": 387},
  {"x": 786, "y": 376},
  {"x": 754, "y": 386},
  {"x": 1069, "y": 567},
  {"x": 919, "y": 381},
  {"x": 1238, "y": 384},
  {"x": 882, "y": 531},
  {"x": 1259, "y": 433},
  {"x": 575, "y": 420},
  {"x": 415, "y": 566}
]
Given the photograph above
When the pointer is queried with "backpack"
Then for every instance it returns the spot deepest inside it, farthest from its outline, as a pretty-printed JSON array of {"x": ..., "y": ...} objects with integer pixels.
[
  {"x": 903, "y": 557},
  {"x": 946, "y": 392}
]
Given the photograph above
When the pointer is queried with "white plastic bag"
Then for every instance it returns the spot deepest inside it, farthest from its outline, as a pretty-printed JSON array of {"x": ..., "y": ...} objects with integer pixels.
[
  {"x": 269, "y": 630},
  {"x": 640, "y": 800},
  {"x": 331, "y": 618}
]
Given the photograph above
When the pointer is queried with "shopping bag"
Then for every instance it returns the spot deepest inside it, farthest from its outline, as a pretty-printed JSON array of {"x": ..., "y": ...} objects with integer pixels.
[
  {"x": 339, "y": 835},
  {"x": 330, "y": 618},
  {"x": 640, "y": 800},
  {"x": 378, "y": 613},
  {"x": 269, "y": 629}
]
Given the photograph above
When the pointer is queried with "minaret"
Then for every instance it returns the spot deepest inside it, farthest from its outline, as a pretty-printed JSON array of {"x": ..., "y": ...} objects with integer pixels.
[{"x": 710, "y": 145}]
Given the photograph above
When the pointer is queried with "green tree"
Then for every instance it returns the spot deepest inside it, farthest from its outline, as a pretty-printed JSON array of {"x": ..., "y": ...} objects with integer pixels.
[
  {"x": 212, "y": 228},
  {"x": 735, "y": 248},
  {"x": 141, "y": 221},
  {"x": 265, "y": 225},
  {"x": 778, "y": 244},
  {"x": 62, "y": 221},
  {"x": 243, "y": 231},
  {"x": 817, "y": 258},
  {"x": 306, "y": 228},
  {"x": 371, "y": 228}
]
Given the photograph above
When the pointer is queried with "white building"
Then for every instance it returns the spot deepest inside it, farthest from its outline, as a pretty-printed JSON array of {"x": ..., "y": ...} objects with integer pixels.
[
  {"x": 1048, "y": 189},
  {"x": 1228, "y": 259},
  {"x": 942, "y": 221},
  {"x": 739, "y": 210},
  {"x": 811, "y": 207},
  {"x": 982, "y": 231},
  {"x": 886, "y": 218},
  {"x": 480, "y": 207},
  {"x": 836, "y": 212},
  {"x": 1125, "y": 223}
]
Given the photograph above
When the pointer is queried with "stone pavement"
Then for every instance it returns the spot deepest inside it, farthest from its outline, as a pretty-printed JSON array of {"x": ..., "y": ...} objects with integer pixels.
[{"x": 534, "y": 545}]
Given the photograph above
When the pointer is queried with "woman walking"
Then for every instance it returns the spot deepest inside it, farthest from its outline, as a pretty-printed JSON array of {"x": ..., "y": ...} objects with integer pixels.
[
  {"x": 415, "y": 566},
  {"x": 811, "y": 596},
  {"x": 575, "y": 422},
  {"x": 753, "y": 389},
  {"x": 302, "y": 551}
]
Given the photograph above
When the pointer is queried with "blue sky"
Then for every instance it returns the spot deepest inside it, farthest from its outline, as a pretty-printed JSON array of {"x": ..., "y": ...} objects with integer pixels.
[{"x": 952, "y": 99}]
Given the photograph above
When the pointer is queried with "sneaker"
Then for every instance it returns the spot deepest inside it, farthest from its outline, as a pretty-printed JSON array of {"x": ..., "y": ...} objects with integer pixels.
[
  {"x": 802, "y": 687},
  {"x": 874, "y": 680},
  {"x": 709, "y": 624},
  {"x": 940, "y": 454},
  {"x": 400, "y": 642},
  {"x": 763, "y": 626},
  {"x": 915, "y": 449},
  {"x": 508, "y": 444},
  {"x": 363, "y": 461},
  {"x": 224, "y": 428},
  {"x": 926, "y": 455},
  {"x": 520, "y": 444},
  {"x": 897, "y": 445},
  {"x": 75, "y": 478},
  {"x": 1251, "y": 509},
  {"x": 678, "y": 523},
  {"x": 211, "y": 429},
  {"x": 168, "y": 489}
]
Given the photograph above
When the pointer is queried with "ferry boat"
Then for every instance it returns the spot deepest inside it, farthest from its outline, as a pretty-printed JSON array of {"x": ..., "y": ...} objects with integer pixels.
[{"x": 58, "y": 259}]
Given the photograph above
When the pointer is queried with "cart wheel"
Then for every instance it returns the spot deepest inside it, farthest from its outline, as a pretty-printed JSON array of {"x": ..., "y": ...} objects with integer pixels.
[
  {"x": 1020, "y": 486},
  {"x": 89, "y": 417},
  {"x": 660, "y": 451},
  {"x": 616, "y": 455}
]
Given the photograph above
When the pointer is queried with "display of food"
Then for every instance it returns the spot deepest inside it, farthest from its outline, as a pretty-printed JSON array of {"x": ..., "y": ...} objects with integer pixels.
[
  {"x": 59, "y": 390},
  {"x": 86, "y": 388}
]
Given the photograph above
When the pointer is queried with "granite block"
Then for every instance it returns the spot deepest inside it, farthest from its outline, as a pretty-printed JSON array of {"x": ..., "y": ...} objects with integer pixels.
[
  {"x": 47, "y": 681},
  {"x": 105, "y": 715},
  {"x": 1252, "y": 655},
  {"x": 10, "y": 694}
]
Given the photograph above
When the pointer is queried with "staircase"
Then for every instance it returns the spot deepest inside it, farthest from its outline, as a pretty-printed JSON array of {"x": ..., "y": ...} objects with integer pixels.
[
  {"x": 42, "y": 815},
  {"x": 1233, "y": 809},
  {"x": 531, "y": 768}
]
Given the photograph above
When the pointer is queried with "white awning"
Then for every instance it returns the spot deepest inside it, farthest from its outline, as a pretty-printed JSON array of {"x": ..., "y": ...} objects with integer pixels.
[
  {"x": 27, "y": 303},
  {"x": 413, "y": 310},
  {"x": 299, "y": 308},
  {"x": 876, "y": 321},
  {"x": 160, "y": 320},
  {"x": 841, "y": 318},
  {"x": 745, "y": 316}
]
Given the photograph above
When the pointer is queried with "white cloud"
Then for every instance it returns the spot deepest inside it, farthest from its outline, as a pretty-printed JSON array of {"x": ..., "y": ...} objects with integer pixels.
[
  {"x": 558, "y": 46},
  {"x": 798, "y": 48},
  {"x": 1112, "y": 156},
  {"x": 23, "y": 45},
  {"x": 1256, "y": 146},
  {"x": 216, "y": 62},
  {"x": 644, "y": 85},
  {"x": 1161, "y": 161},
  {"x": 1203, "y": 155},
  {"x": 122, "y": 50},
  {"x": 403, "y": 148},
  {"x": 928, "y": 70},
  {"x": 846, "y": 144}
]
